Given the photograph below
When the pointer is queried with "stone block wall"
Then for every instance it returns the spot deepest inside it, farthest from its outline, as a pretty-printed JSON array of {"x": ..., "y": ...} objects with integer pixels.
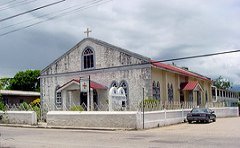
[
  {"x": 19, "y": 117},
  {"x": 75, "y": 119}
]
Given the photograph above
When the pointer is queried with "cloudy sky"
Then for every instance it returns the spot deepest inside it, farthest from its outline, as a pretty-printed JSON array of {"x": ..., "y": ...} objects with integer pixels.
[{"x": 158, "y": 29}]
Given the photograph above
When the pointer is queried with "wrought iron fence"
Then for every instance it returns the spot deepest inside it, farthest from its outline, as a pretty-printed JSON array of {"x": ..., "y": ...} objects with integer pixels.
[
  {"x": 25, "y": 107},
  {"x": 136, "y": 106},
  {"x": 41, "y": 110}
]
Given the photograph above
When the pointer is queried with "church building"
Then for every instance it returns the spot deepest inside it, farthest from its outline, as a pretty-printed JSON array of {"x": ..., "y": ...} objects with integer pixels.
[{"x": 109, "y": 66}]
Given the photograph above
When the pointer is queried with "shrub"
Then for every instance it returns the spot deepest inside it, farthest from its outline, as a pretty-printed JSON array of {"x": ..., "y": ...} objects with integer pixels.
[
  {"x": 2, "y": 106},
  {"x": 150, "y": 103},
  {"x": 77, "y": 108},
  {"x": 36, "y": 102},
  {"x": 38, "y": 111},
  {"x": 24, "y": 106}
]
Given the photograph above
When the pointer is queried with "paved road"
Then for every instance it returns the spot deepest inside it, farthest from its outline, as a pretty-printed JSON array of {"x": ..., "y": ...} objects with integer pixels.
[{"x": 223, "y": 133}]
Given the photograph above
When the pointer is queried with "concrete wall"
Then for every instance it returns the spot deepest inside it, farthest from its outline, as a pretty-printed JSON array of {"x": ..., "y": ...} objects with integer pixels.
[
  {"x": 126, "y": 120},
  {"x": 226, "y": 112},
  {"x": 164, "y": 117},
  {"x": 116, "y": 120},
  {"x": 19, "y": 117}
]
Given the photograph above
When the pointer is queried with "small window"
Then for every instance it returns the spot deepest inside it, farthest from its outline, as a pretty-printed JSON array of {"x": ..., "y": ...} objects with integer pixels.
[
  {"x": 59, "y": 98},
  {"x": 206, "y": 96},
  {"x": 156, "y": 90},
  {"x": 114, "y": 84},
  {"x": 170, "y": 92},
  {"x": 124, "y": 85}
]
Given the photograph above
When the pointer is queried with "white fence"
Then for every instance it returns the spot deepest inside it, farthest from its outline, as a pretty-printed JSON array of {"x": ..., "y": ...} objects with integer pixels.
[{"x": 125, "y": 119}]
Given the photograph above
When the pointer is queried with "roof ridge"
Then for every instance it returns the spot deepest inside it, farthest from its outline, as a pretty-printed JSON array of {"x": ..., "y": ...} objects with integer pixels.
[
  {"x": 178, "y": 69},
  {"x": 119, "y": 48},
  {"x": 103, "y": 43}
]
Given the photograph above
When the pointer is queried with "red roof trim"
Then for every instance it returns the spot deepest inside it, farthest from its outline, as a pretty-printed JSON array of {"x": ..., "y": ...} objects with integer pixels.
[
  {"x": 93, "y": 84},
  {"x": 188, "y": 85},
  {"x": 178, "y": 70}
]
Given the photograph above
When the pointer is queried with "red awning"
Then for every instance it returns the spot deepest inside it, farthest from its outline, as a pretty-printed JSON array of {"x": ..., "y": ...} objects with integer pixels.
[
  {"x": 188, "y": 85},
  {"x": 93, "y": 85}
]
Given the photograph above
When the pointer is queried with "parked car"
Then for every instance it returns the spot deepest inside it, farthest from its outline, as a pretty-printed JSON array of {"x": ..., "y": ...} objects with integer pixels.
[{"x": 201, "y": 115}]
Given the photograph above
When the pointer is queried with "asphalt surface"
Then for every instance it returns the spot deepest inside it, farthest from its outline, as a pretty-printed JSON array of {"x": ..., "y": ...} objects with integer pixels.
[{"x": 225, "y": 132}]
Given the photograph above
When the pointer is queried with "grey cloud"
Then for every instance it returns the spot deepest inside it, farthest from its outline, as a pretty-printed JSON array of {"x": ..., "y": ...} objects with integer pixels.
[{"x": 157, "y": 28}]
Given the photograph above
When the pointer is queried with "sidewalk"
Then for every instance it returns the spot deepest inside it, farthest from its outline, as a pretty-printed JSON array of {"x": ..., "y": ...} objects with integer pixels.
[
  {"x": 44, "y": 125},
  {"x": 39, "y": 125}
]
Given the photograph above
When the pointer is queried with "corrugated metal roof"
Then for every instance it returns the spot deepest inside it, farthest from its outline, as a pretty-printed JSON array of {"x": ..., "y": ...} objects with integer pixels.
[
  {"x": 93, "y": 84},
  {"x": 188, "y": 85},
  {"x": 19, "y": 93},
  {"x": 178, "y": 70}
]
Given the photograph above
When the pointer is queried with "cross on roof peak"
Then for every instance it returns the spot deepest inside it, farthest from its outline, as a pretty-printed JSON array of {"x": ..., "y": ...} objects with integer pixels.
[{"x": 87, "y": 32}]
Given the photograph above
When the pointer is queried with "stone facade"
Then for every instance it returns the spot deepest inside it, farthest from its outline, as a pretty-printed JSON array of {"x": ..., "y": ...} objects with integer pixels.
[
  {"x": 110, "y": 66},
  {"x": 114, "y": 64}
]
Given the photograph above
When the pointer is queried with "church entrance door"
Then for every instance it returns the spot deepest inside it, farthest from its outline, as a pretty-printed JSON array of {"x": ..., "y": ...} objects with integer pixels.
[
  {"x": 181, "y": 96},
  {"x": 198, "y": 98},
  {"x": 83, "y": 99}
]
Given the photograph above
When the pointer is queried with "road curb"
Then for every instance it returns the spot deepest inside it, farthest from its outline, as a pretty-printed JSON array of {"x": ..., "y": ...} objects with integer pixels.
[{"x": 64, "y": 127}]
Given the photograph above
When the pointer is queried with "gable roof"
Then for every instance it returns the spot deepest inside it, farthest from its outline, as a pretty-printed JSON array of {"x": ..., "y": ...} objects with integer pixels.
[
  {"x": 192, "y": 85},
  {"x": 146, "y": 59},
  {"x": 178, "y": 70},
  {"x": 102, "y": 43},
  {"x": 93, "y": 84}
]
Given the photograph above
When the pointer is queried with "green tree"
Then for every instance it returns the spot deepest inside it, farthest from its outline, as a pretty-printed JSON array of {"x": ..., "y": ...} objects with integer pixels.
[
  {"x": 4, "y": 83},
  {"x": 26, "y": 80},
  {"x": 222, "y": 83},
  {"x": 2, "y": 105}
]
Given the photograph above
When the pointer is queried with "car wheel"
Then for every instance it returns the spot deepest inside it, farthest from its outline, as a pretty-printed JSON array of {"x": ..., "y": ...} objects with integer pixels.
[
  {"x": 214, "y": 119},
  {"x": 189, "y": 121}
]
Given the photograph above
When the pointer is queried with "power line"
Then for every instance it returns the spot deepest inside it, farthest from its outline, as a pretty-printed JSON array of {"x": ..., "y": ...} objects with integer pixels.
[
  {"x": 13, "y": 5},
  {"x": 7, "y": 18},
  {"x": 46, "y": 15},
  {"x": 197, "y": 56},
  {"x": 16, "y": 4},
  {"x": 184, "y": 58},
  {"x": 96, "y": 3},
  {"x": 7, "y": 3},
  {"x": 167, "y": 60}
]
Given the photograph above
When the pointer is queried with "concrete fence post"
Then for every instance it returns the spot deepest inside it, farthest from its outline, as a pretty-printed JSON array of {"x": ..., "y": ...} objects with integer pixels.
[
  {"x": 165, "y": 116},
  {"x": 182, "y": 115}
]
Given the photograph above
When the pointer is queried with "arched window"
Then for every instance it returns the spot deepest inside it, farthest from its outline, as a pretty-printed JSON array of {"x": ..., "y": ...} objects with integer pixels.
[
  {"x": 58, "y": 96},
  {"x": 88, "y": 59},
  {"x": 124, "y": 85},
  {"x": 206, "y": 96},
  {"x": 114, "y": 84},
  {"x": 170, "y": 92},
  {"x": 156, "y": 90}
]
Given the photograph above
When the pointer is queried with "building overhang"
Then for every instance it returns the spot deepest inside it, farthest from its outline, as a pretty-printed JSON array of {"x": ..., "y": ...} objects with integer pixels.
[
  {"x": 191, "y": 86},
  {"x": 93, "y": 85},
  {"x": 19, "y": 93}
]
